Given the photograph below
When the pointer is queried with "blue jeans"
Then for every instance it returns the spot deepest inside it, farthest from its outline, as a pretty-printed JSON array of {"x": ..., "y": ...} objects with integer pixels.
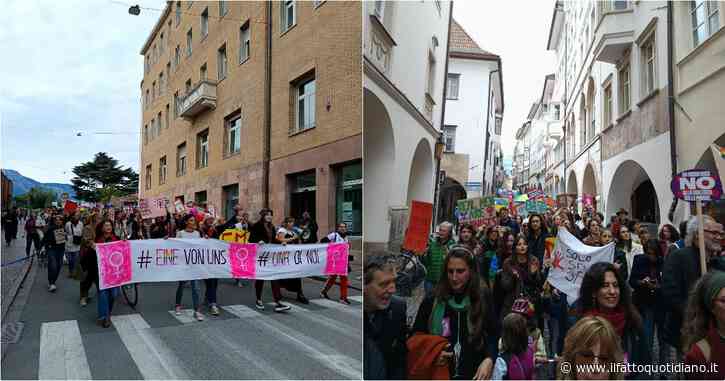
[
  {"x": 428, "y": 286},
  {"x": 55, "y": 262},
  {"x": 194, "y": 293},
  {"x": 211, "y": 286},
  {"x": 72, "y": 256},
  {"x": 105, "y": 302}
]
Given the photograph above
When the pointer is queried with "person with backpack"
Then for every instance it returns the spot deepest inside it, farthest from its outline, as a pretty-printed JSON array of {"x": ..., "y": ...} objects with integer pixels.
[
  {"x": 338, "y": 236},
  {"x": 516, "y": 360}
]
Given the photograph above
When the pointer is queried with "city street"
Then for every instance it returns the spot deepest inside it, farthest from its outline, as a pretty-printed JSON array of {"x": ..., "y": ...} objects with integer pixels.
[{"x": 60, "y": 338}]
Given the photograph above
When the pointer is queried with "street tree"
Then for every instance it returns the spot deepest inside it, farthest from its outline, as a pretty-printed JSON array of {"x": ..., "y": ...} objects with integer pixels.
[
  {"x": 36, "y": 198},
  {"x": 102, "y": 178}
]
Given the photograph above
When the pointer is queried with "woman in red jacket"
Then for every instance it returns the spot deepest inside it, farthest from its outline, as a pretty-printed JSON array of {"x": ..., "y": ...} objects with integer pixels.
[{"x": 704, "y": 328}]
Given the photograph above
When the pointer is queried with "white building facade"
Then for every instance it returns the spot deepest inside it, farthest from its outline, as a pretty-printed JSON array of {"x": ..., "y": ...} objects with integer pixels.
[
  {"x": 472, "y": 159},
  {"x": 699, "y": 73},
  {"x": 612, "y": 83},
  {"x": 404, "y": 59}
]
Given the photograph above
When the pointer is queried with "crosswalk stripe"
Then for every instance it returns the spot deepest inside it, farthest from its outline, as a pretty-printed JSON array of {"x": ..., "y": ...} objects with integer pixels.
[
  {"x": 357, "y": 298},
  {"x": 350, "y": 310},
  {"x": 152, "y": 356},
  {"x": 62, "y": 355},
  {"x": 186, "y": 316},
  {"x": 242, "y": 356},
  {"x": 318, "y": 316},
  {"x": 343, "y": 365}
]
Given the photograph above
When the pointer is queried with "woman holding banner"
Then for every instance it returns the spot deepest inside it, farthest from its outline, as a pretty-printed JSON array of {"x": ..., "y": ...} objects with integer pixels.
[
  {"x": 285, "y": 235},
  {"x": 605, "y": 294},
  {"x": 461, "y": 311},
  {"x": 189, "y": 232},
  {"x": 104, "y": 234},
  {"x": 263, "y": 232}
]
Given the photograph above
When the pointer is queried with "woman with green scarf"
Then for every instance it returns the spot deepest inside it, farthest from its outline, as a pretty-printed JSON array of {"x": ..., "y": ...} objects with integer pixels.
[{"x": 461, "y": 311}]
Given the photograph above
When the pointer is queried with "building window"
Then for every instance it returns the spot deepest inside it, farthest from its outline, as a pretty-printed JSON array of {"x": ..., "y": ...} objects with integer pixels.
[
  {"x": 177, "y": 57},
  {"x": 148, "y": 177},
  {"x": 305, "y": 106},
  {"x": 230, "y": 199},
  {"x": 153, "y": 129},
  {"x": 167, "y": 116},
  {"x": 202, "y": 149},
  {"x": 181, "y": 159},
  {"x": 648, "y": 65},
  {"x": 146, "y": 134},
  {"x": 176, "y": 104},
  {"x": 178, "y": 13},
  {"x": 453, "y": 86},
  {"x": 232, "y": 136},
  {"x": 244, "y": 42},
  {"x": 624, "y": 98},
  {"x": 288, "y": 16},
  {"x": 202, "y": 72},
  {"x": 205, "y": 23},
  {"x": 161, "y": 43},
  {"x": 379, "y": 9},
  {"x": 161, "y": 84},
  {"x": 607, "y": 104},
  {"x": 146, "y": 64},
  {"x": 158, "y": 120},
  {"x": 705, "y": 20},
  {"x": 222, "y": 62},
  {"x": 449, "y": 138},
  {"x": 188, "y": 42},
  {"x": 189, "y": 4},
  {"x": 146, "y": 102},
  {"x": 223, "y": 8},
  {"x": 168, "y": 73},
  {"x": 162, "y": 170},
  {"x": 188, "y": 86},
  {"x": 430, "y": 86}
]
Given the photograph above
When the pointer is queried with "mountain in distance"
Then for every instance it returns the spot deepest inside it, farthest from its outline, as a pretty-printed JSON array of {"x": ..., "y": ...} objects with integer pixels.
[{"x": 22, "y": 184}]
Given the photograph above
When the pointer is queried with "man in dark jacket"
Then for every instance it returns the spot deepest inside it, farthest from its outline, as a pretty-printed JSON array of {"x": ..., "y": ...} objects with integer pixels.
[
  {"x": 505, "y": 220},
  {"x": 385, "y": 323},
  {"x": 682, "y": 270}
]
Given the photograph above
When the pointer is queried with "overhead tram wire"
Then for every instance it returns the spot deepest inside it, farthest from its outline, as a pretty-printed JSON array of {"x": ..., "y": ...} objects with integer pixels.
[{"x": 220, "y": 18}]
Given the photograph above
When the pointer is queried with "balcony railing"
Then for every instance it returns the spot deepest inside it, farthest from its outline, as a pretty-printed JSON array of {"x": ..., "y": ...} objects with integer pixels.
[{"x": 201, "y": 98}]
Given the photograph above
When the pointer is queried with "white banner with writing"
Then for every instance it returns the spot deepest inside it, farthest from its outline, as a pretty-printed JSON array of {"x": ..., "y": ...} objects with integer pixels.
[
  {"x": 176, "y": 259},
  {"x": 570, "y": 261}
]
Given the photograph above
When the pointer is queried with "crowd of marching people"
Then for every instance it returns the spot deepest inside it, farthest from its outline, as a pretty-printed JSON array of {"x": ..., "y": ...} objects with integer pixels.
[
  {"x": 71, "y": 237},
  {"x": 489, "y": 311}
]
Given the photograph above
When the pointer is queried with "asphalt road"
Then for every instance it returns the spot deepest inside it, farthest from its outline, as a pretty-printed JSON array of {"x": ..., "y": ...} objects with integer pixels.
[{"x": 60, "y": 340}]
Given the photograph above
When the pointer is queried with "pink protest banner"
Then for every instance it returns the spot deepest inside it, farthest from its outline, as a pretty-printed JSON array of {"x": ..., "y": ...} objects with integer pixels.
[
  {"x": 153, "y": 207},
  {"x": 174, "y": 259}
]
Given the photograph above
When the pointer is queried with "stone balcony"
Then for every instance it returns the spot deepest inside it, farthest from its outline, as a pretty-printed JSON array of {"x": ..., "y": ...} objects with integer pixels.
[
  {"x": 615, "y": 31},
  {"x": 202, "y": 97}
]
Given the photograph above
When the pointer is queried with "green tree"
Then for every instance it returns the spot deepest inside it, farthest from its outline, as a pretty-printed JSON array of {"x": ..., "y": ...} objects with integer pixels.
[
  {"x": 36, "y": 198},
  {"x": 103, "y": 178}
]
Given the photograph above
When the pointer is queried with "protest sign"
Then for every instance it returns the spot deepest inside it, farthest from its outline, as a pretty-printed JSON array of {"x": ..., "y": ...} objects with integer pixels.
[
  {"x": 153, "y": 207},
  {"x": 697, "y": 184},
  {"x": 179, "y": 206},
  {"x": 479, "y": 211},
  {"x": 571, "y": 259},
  {"x": 416, "y": 235},
  {"x": 501, "y": 203},
  {"x": 521, "y": 210},
  {"x": 535, "y": 194},
  {"x": 536, "y": 206},
  {"x": 69, "y": 206},
  {"x": 164, "y": 260}
]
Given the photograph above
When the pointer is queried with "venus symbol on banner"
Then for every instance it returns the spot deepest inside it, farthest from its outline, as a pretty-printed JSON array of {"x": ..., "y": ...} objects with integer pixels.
[
  {"x": 242, "y": 260},
  {"x": 115, "y": 260},
  {"x": 336, "y": 260}
]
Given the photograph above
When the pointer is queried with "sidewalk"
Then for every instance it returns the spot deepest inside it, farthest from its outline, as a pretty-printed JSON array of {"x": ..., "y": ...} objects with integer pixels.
[{"x": 13, "y": 273}]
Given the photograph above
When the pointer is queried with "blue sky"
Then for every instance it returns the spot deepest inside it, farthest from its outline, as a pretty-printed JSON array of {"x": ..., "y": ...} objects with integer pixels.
[{"x": 68, "y": 67}]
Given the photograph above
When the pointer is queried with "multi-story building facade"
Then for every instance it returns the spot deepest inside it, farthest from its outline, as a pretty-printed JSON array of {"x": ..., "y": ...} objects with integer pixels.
[
  {"x": 7, "y": 191},
  {"x": 699, "y": 79},
  {"x": 612, "y": 79},
  {"x": 256, "y": 104},
  {"x": 472, "y": 127},
  {"x": 404, "y": 66}
]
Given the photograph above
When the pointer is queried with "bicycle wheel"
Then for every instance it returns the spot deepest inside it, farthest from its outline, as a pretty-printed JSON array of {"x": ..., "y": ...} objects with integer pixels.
[{"x": 130, "y": 293}]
